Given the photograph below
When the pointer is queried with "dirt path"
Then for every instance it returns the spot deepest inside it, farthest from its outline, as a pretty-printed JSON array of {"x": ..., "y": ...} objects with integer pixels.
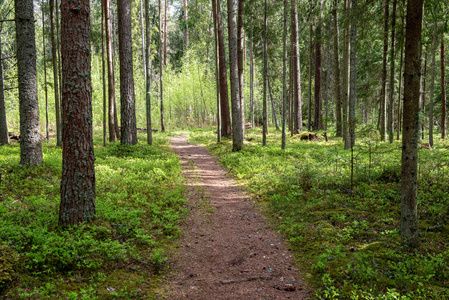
[{"x": 228, "y": 250}]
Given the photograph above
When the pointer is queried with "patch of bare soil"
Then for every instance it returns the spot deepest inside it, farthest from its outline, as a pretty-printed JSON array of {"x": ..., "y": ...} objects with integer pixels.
[{"x": 228, "y": 250}]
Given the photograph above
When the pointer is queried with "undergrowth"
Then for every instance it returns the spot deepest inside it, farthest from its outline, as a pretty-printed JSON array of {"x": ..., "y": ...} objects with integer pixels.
[
  {"x": 139, "y": 202},
  {"x": 346, "y": 237}
]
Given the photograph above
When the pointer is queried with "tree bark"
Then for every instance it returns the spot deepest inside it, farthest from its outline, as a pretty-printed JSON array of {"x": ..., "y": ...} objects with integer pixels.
[
  {"x": 148, "y": 73},
  {"x": 78, "y": 173},
  {"x": 142, "y": 32},
  {"x": 443, "y": 93},
  {"x": 165, "y": 33},
  {"x": 353, "y": 74},
  {"x": 390, "y": 124},
  {"x": 401, "y": 63},
  {"x": 240, "y": 55},
  {"x": 383, "y": 104},
  {"x": 224, "y": 96},
  {"x": 113, "y": 125},
  {"x": 284, "y": 79},
  {"x": 55, "y": 75},
  {"x": 409, "y": 182},
  {"x": 297, "y": 102},
  {"x": 4, "y": 137},
  {"x": 47, "y": 134},
  {"x": 273, "y": 105},
  {"x": 217, "y": 69},
  {"x": 309, "y": 107},
  {"x": 237, "y": 132},
  {"x": 30, "y": 139},
  {"x": 186, "y": 34},
  {"x": 251, "y": 83},
  {"x": 161, "y": 71},
  {"x": 432, "y": 82},
  {"x": 265, "y": 75},
  {"x": 128, "y": 134},
  {"x": 345, "y": 108},
  {"x": 337, "y": 90},
  {"x": 317, "y": 93},
  {"x": 103, "y": 67}
]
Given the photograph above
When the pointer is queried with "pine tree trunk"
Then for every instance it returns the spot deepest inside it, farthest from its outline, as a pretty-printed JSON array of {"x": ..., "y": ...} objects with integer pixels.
[
  {"x": 422, "y": 99},
  {"x": 78, "y": 173},
  {"x": 55, "y": 75},
  {"x": 30, "y": 139},
  {"x": 432, "y": 82},
  {"x": 443, "y": 93},
  {"x": 251, "y": 83},
  {"x": 309, "y": 107},
  {"x": 217, "y": 70},
  {"x": 113, "y": 135},
  {"x": 148, "y": 72},
  {"x": 103, "y": 66},
  {"x": 383, "y": 104},
  {"x": 142, "y": 32},
  {"x": 390, "y": 124},
  {"x": 4, "y": 137},
  {"x": 240, "y": 54},
  {"x": 128, "y": 134},
  {"x": 237, "y": 132},
  {"x": 409, "y": 182},
  {"x": 265, "y": 75},
  {"x": 284, "y": 79},
  {"x": 345, "y": 108},
  {"x": 165, "y": 33},
  {"x": 401, "y": 62},
  {"x": 224, "y": 96},
  {"x": 353, "y": 74},
  {"x": 161, "y": 71},
  {"x": 337, "y": 91},
  {"x": 47, "y": 134},
  {"x": 317, "y": 93},
  {"x": 327, "y": 77},
  {"x": 297, "y": 102},
  {"x": 273, "y": 105},
  {"x": 186, "y": 34}
]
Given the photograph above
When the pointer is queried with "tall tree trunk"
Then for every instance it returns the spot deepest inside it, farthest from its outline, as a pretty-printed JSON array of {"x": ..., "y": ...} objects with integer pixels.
[
  {"x": 401, "y": 63},
  {"x": 409, "y": 182},
  {"x": 432, "y": 82},
  {"x": 103, "y": 66},
  {"x": 390, "y": 124},
  {"x": 383, "y": 106},
  {"x": 186, "y": 34},
  {"x": 422, "y": 98},
  {"x": 317, "y": 93},
  {"x": 30, "y": 139},
  {"x": 78, "y": 173},
  {"x": 224, "y": 96},
  {"x": 148, "y": 73},
  {"x": 4, "y": 137},
  {"x": 142, "y": 32},
  {"x": 353, "y": 74},
  {"x": 165, "y": 33},
  {"x": 265, "y": 76},
  {"x": 217, "y": 70},
  {"x": 47, "y": 134},
  {"x": 443, "y": 92},
  {"x": 297, "y": 102},
  {"x": 127, "y": 97},
  {"x": 161, "y": 71},
  {"x": 309, "y": 107},
  {"x": 251, "y": 83},
  {"x": 240, "y": 54},
  {"x": 291, "y": 96},
  {"x": 237, "y": 132},
  {"x": 337, "y": 91},
  {"x": 345, "y": 108},
  {"x": 54, "y": 58},
  {"x": 113, "y": 134},
  {"x": 327, "y": 76},
  {"x": 284, "y": 79}
]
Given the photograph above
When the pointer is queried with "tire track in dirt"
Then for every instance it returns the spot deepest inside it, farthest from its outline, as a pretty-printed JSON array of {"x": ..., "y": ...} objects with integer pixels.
[{"x": 227, "y": 249}]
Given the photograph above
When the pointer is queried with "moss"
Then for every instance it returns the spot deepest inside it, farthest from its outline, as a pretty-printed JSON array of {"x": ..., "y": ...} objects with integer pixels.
[{"x": 8, "y": 260}]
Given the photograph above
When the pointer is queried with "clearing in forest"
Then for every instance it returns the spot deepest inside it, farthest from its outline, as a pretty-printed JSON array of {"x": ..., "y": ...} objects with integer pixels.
[{"x": 228, "y": 250}]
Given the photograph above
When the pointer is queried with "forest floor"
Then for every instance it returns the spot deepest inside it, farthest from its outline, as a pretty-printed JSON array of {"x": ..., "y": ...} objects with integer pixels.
[{"x": 228, "y": 250}]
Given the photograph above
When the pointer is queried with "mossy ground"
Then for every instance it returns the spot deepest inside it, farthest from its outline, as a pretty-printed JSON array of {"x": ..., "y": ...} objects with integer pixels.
[
  {"x": 346, "y": 236},
  {"x": 139, "y": 202}
]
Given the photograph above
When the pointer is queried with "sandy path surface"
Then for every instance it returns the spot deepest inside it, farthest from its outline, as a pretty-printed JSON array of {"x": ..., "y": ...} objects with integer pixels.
[{"x": 228, "y": 250}]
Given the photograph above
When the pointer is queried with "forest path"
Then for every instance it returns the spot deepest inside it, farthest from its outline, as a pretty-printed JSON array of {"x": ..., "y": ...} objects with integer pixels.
[{"x": 227, "y": 249}]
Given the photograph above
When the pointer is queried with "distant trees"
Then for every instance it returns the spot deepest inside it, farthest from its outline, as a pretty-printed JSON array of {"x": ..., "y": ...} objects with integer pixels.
[
  {"x": 30, "y": 138},
  {"x": 78, "y": 173}
]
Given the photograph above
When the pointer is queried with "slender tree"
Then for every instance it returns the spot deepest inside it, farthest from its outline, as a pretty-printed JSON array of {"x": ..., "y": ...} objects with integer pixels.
[
  {"x": 297, "y": 101},
  {"x": 165, "y": 32},
  {"x": 345, "y": 92},
  {"x": 240, "y": 55},
  {"x": 148, "y": 72},
  {"x": 217, "y": 70},
  {"x": 409, "y": 182},
  {"x": 161, "y": 62},
  {"x": 265, "y": 75},
  {"x": 112, "y": 112},
  {"x": 318, "y": 71},
  {"x": 142, "y": 27},
  {"x": 337, "y": 91},
  {"x": 30, "y": 139},
  {"x": 284, "y": 79},
  {"x": 309, "y": 107},
  {"x": 103, "y": 69},
  {"x": 251, "y": 83},
  {"x": 401, "y": 63},
  {"x": 54, "y": 59},
  {"x": 186, "y": 34},
  {"x": 78, "y": 172},
  {"x": 353, "y": 74},
  {"x": 443, "y": 92},
  {"x": 127, "y": 97},
  {"x": 4, "y": 137},
  {"x": 432, "y": 82},
  {"x": 47, "y": 133},
  {"x": 390, "y": 123},
  {"x": 383, "y": 103}
]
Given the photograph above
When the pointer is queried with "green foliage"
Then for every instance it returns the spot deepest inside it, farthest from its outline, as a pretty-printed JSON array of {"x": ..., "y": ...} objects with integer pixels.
[
  {"x": 347, "y": 242},
  {"x": 139, "y": 203}
]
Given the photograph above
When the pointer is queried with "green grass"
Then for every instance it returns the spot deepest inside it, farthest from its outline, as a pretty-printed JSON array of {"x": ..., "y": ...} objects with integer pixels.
[
  {"x": 139, "y": 202},
  {"x": 346, "y": 239}
]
